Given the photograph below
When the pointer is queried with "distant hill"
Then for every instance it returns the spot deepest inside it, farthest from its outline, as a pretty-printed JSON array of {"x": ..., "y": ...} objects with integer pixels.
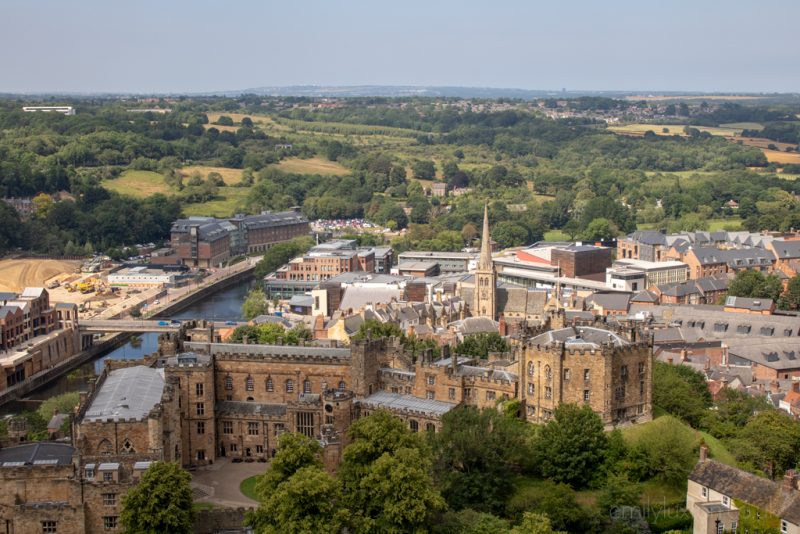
[{"x": 427, "y": 91}]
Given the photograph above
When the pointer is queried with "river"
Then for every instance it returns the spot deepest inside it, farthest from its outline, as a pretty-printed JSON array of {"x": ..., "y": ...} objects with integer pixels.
[{"x": 222, "y": 306}]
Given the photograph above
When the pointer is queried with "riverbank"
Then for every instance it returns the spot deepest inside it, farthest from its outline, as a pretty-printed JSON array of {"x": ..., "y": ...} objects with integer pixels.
[{"x": 223, "y": 304}]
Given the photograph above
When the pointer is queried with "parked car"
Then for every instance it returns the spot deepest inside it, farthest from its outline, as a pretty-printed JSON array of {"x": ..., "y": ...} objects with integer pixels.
[{"x": 163, "y": 323}]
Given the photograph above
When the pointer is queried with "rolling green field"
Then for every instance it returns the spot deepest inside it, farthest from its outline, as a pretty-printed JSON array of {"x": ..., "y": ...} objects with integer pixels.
[
  {"x": 314, "y": 165},
  {"x": 139, "y": 184},
  {"x": 714, "y": 225},
  {"x": 225, "y": 206},
  {"x": 674, "y": 129}
]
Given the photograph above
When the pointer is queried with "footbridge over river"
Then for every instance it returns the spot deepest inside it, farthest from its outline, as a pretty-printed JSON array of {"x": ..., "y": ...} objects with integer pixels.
[{"x": 107, "y": 326}]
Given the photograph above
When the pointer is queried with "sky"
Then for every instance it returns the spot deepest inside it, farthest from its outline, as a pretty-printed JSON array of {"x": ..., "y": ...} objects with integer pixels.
[{"x": 186, "y": 46}]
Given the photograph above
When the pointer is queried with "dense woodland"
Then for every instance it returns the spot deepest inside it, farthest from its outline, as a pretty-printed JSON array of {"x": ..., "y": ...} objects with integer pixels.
[{"x": 537, "y": 174}]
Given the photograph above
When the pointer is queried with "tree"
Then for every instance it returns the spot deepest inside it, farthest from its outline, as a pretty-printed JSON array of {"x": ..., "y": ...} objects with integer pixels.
[
  {"x": 790, "y": 300},
  {"x": 216, "y": 178},
  {"x": 255, "y": 304},
  {"x": 618, "y": 491},
  {"x": 571, "y": 445},
  {"x": 385, "y": 474},
  {"x": 469, "y": 232},
  {"x": 754, "y": 284},
  {"x": 680, "y": 391},
  {"x": 510, "y": 234},
  {"x": 296, "y": 494},
  {"x": 374, "y": 329},
  {"x": 556, "y": 500},
  {"x": 469, "y": 521},
  {"x": 307, "y": 501},
  {"x": 481, "y": 344},
  {"x": 664, "y": 450},
  {"x": 224, "y": 120},
  {"x": 600, "y": 229},
  {"x": 160, "y": 502},
  {"x": 423, "y": 169},
  {"x": 770, "y": 442},
  {"x": 534, "y": 523},
  {"x": 42, "y": 205},
  {"x": 476, "y": 456},
  {"x": 281, "y": 253}
]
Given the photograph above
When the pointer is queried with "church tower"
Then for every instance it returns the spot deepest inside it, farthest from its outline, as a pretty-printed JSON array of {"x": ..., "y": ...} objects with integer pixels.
[{"x": 484, "y": 298}]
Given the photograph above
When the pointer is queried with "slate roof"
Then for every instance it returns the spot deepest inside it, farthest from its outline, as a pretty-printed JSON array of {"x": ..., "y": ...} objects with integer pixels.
[
  {"x": 475, "y": 325},
  {"x": 356, "y": 298},
  {"x": 749, "y": 303},
  {"x": 41, "y": 453},
  {"x": 268, "y": 220},
  {"x": 786, "y": 250},
  {"x": 128, "y": 393},
  {"x": 512, "y": 299},
  {"x": 757, "y": 491},
  {"x": 7, "y": 295},
  {"x": 579, "y": 337},
  {"x": 645, "y": 296},
  {"x": 609, "y": 301},
  {"x": 407, "y": 403},
  {"x": 648, "y": 237}
]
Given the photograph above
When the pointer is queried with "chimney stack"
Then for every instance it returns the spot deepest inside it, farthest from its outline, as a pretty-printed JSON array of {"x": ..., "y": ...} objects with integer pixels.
[
  {"x": 502, "y": 327},
  {"x": 703, "y": 452},
  {"x": 788, "y": 480}
]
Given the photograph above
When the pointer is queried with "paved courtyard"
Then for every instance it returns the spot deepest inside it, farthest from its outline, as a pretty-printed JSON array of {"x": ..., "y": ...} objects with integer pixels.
[{"x": 218, "y": 484}]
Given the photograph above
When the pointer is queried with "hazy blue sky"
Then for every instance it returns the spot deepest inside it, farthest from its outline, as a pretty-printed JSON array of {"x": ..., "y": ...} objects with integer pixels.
[{"x": 204, "y": 45}]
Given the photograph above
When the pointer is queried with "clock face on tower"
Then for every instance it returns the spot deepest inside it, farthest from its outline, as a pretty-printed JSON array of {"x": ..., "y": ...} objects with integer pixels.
[{"x": 484, "y": 294}]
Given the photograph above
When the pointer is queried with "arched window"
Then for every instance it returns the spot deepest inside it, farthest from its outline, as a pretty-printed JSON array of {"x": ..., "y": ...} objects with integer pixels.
[
  {"x": 228, "y": 382},
  {"x": 289, "y": 386},
  {"x": 307, "y": 386},
  {"x": 430, "y": 427},
  {"x": 548, "y": 374},
  {"x": 531, "y": 389},
  {"x": 342, "y": 385},
  {"x": 414, "y": 425},
  {"x": 531, "y": 368},
  {"x": 105, "y": 447},
  {"x": 270, "y": 385},
  {"x": 249, "y": 384}
]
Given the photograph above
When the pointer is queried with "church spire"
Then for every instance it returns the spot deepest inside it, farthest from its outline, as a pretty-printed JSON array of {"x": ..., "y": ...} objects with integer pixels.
[{"x": 485, "y": 261}]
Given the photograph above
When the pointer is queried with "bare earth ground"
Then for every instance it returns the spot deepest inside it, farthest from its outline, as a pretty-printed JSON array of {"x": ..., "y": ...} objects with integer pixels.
[{"x": 15, "y": 275}]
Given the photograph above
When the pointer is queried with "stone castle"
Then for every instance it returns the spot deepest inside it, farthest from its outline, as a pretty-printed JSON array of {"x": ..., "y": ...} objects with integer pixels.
[{"x": 198, "y": 400}]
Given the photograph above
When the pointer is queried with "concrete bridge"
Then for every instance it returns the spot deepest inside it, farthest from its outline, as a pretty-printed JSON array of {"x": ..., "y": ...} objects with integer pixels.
[{"x": 105, "y": 326}]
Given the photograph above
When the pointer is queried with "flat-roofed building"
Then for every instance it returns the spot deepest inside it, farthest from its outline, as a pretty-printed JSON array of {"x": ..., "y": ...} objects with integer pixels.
[
  {"x": 64, "y": 110},
  {"x": 449, "y": 262},
  {"x": 628, "y": 274}
]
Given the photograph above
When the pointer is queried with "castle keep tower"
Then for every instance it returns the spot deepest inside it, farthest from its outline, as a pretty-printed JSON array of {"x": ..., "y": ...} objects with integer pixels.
[{"x": 484, "y": 297}]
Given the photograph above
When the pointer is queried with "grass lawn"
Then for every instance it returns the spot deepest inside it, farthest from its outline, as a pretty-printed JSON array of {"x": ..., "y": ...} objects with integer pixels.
[
  {"x": 313, "y": 166},
  {"x": 248, "y": 487},
  {"x": 202, "y": 506},
  {"x": 555, "y": 235},
  {"x": 139, "y": 184},
  {"x": 230, "y": 176},
  {"x": 225, "y": 206}
]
